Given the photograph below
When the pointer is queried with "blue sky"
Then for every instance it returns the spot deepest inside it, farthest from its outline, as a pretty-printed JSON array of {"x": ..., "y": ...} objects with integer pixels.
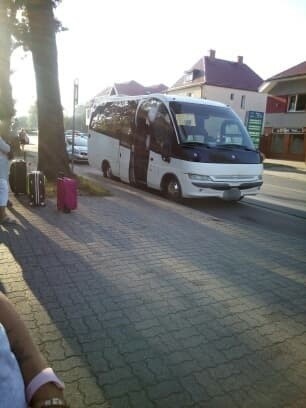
[{"x": 155, "y": 42}]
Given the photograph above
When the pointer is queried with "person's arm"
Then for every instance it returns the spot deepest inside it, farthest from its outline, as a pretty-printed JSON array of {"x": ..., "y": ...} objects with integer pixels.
[
  {"x": 30, "y": 360},
  {"x": 4, "y": 147}
]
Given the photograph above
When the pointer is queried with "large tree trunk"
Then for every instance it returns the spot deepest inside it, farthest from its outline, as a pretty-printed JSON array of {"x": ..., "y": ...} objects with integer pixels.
[
  {"x": 6, "y": 99},
  {"x": 52, "y": 156}
]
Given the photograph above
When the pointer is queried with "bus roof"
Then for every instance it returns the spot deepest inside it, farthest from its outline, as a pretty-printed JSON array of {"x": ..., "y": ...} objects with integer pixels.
[{"x": 162, "y": 97}]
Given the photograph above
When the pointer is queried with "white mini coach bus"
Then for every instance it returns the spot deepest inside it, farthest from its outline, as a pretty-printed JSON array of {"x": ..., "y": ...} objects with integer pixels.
[{"x": 184, "y": 147}]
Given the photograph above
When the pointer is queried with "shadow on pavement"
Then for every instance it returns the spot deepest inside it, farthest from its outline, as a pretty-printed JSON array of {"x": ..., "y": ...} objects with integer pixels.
[
  {"x": 157, "y": 303},
  {"x": 283, "y": 168}
]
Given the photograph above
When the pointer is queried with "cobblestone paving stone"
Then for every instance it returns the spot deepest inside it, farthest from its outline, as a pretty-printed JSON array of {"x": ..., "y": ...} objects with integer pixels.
[{"x": 139, "y": 302}]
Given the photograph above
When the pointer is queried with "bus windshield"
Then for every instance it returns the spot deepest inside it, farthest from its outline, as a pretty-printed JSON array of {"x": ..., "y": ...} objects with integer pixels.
[{"x": 209, "y": 125}]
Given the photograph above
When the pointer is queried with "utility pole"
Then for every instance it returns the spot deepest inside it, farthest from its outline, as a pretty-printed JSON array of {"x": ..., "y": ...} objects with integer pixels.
[{"x": 75, "y": 102}]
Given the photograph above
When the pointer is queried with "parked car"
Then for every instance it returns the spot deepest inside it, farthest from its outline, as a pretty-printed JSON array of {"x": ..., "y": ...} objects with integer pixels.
[
  {"x": 69, "y": 133},
  {"x": 80, "y": 151}
]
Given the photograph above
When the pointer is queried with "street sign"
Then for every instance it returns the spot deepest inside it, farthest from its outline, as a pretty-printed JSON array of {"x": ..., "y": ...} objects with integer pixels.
[
  {"x": 76, "y": 92},
  {"x": 254, "y": 122}
]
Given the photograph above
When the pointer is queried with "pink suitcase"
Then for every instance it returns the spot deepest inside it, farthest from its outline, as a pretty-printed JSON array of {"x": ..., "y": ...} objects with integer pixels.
[{"x": 66, "y": 194}]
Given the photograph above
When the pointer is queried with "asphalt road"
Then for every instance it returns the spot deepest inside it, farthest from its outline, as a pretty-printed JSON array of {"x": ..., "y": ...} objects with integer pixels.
[
  {"x": 277, "y": 214},
  {"x": 284, "y": 189}
]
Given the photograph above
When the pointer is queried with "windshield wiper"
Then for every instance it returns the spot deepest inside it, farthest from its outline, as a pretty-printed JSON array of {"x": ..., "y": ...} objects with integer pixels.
[
  {"x": 235, "y": 146},
  {"x": 191, "y": 143}
]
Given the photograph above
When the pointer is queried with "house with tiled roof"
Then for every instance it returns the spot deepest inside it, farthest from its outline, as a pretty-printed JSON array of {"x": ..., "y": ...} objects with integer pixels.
[
  {"x": 285, "y": 122},
  {"x": 231, "y": 82},
  {"x": 131, "y": 88}
]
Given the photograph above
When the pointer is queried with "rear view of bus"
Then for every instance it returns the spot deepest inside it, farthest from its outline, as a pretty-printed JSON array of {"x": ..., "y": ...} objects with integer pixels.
[{"x": 216, "y": 154}]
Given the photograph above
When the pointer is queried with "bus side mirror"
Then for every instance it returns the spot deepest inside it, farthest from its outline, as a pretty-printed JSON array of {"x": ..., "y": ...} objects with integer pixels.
[{"x": 262, "y": 156}]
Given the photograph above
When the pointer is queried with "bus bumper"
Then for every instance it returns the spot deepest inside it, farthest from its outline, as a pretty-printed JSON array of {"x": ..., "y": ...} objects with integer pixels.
[{"x": 226, "y": 191}]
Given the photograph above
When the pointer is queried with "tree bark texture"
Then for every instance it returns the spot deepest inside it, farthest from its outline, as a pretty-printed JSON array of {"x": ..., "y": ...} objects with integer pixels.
[
  {"x": 52, "y": 155},
  {"x": 6, "y": 99}
]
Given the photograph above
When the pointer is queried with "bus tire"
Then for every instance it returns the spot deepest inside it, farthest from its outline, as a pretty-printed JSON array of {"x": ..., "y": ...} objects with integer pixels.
[{"x": 172, "y": 188}]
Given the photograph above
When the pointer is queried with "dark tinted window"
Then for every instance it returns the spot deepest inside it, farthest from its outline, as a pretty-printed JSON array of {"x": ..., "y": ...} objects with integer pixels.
[
  {"x": 103, "y": 118},
  {"x": 115, "y": 119},
  {"x": 153, "y": 118},
  {"x": 127, "y": 121}
]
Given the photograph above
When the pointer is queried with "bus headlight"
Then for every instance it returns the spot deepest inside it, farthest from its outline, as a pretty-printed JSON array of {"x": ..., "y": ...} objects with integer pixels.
[{"x": 199, "y": 177}]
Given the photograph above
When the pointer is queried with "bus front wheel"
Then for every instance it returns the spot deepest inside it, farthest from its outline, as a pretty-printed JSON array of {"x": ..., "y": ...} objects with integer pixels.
[{"x": 172, "y": 189}]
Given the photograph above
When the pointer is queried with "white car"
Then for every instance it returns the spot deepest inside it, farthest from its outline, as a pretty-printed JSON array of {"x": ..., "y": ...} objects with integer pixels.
[{"x": 80, "y": 151}]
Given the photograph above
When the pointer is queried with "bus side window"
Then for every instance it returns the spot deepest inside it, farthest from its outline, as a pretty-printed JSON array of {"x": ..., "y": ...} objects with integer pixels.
[
  {"x": 96, "y": 119},
  {"x": 153, "y": 119},
  {"x": 103, "y": 119},
  {"x": 162, "y": 129},
  {"x": 127, "y": 123}
]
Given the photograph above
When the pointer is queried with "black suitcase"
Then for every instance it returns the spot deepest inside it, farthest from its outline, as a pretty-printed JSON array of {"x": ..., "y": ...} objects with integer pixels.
[
  {"x": 18, "y": 177},
  {"x": 36, "y": 188}
]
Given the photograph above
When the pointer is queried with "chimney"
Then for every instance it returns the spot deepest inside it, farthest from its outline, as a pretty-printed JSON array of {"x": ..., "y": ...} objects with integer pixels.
[
  {"x": 212, "y": 54},
  {"x": 240, "y": 59}
]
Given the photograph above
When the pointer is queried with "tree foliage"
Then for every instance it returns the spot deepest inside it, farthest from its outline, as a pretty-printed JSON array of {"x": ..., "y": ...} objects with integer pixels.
[
  {"x": 80, "y": 119},
  {"x": 31, "y": 23},
  {"x": 32, "y": 117}
]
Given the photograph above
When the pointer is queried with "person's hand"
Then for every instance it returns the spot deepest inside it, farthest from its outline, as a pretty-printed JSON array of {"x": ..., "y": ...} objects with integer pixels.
[{"x": 46, "y": 392}]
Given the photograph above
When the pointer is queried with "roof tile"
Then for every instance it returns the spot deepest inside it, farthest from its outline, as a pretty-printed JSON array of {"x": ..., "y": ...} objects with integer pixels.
[
  {"x": 296, "y": 70},
  {"x": 227, "y": 74}
]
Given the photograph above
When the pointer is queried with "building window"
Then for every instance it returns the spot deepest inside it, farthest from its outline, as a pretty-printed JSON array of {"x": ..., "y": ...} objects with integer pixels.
[
  {"x": 242, "y": 104},
  {"x": 232, "y": 96},
  {"x": 297, "y": 103},
  {"x": 189, "y": 94},
  {"x": 189, "y": 76}
]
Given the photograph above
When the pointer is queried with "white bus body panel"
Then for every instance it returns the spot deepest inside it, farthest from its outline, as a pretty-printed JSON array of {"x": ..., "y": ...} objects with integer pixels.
[
  {"x": 104, "y": 148},
  {"x": 124, "y": 163},
  {"x": 232, "y": 174},
  {"x": 157, "y": 169}
]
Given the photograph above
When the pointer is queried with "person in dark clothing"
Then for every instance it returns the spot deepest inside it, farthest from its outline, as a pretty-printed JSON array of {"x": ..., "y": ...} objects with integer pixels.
[{"x": 23, "y": 137}]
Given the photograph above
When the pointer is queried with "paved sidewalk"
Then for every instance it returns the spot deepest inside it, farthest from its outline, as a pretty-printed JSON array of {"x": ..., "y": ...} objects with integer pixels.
[
  {"x": 286, "y": 169},
  {"x": 285, "y": 165},
  {"x": 140, "y": 302}
]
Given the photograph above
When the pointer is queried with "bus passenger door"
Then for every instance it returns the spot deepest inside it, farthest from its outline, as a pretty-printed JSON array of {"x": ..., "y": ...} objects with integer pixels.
[
  {"x": 124, "y": 162},
  {"x": 141, "y": 154},
  {"x": 154, "y": 129},
  {"x": 161, "y": 141}
]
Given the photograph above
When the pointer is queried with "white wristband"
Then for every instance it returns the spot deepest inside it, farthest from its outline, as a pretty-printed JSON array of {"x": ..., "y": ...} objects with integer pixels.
[{"x": 45, "y": 376}]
